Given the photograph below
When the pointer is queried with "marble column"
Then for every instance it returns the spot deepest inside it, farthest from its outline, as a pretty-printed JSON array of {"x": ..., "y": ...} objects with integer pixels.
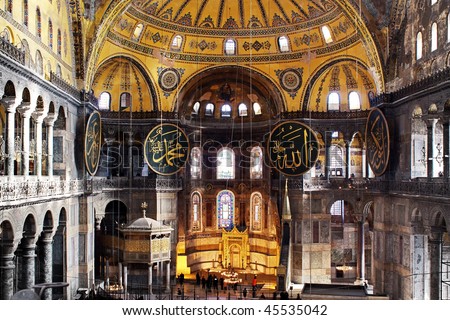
[
  {"x": 328, "y": 138},
  {"x": 10, "y": 135},
  {"x": 168, "y": 275},
  {"x": 25, "y": 110},
  {"x": 150, "y": 278},
  {"x": 38, "y": 130},
  {"x": 347, "y": 159},
  {"x": 434, "y": 247},
  {"x": 49, "y": 122},
  {"x": 431, "y": 126},
  {"x": 125, "y": 279},
  {"x": 120, "y": 267},
  {"x": 6, "y": 276},
  {"x": 446, "y": 150},
  {"x": 360, "y": 266},
  {"x": 28, "y": 255},
  {"x": 107, "y": 272},
  {"x": 46, "y": 263}
]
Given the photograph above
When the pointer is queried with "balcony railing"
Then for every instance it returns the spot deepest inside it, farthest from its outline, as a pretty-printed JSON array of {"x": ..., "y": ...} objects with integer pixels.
[
  {"x": 428, "y": 82},
  {"x": 34, "y": 190},
  {"x": 64, "y": 86},
  {"x": 12, "y": 51}
]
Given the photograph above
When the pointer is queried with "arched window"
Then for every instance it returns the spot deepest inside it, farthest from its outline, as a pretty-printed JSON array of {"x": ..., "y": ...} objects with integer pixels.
[
  {"x": 242, "y": 110},
  {"x": 230, "y": 47},
  {"x": 6, "y": 35},
  {"x": 448, "y": 27},
  {"x": 209, "y": 110},
  {"x": 39, "y": 63},
  {"x": 137, "y": 32},
  {"x": 196, "y": 163},
  {"x": 354, "y": 101},
  {"x": 283, "y": 43},
  {"x": 196, "y": 108},
  {"x": 337, "y": 160},
  {"x": 256, "y": 163},
  {"x": 125, "y": 100},
  {"x": 38, "y": 23},
  {"x": 257, "y": 108},
  {"x": 225, "y": 209},
  {"x": 58, "y": 71},
  {"x": 333, "y": 101},
  {"x": 419, "y": 46},
  {"x": 257, "y": 210},
  {"x": 225, "y": 111},
  {"x": 337, "y": 211},
  {"x": 9, "y": 6},
  {"x": 59, "y": 43},
  {"x": 25, "y": 13},
  {"x": 327, "y": 34},
  {"x": 50, "y": 34},
  {"x": 177, "y": 41},
  {"x": 104, "y": 101},
  {"x": 225, "y": 164},
  {"x": 434, "y": 37},
  {"x": 196, "y": 211}
]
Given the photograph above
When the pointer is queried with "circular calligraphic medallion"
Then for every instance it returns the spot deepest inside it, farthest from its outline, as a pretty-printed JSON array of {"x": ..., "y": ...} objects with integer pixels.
[
  {"x": 169, "y": 79},
  {"x": 293, "y": 148},
  {"x": 166, "y": 149},
  {"x": 291, "y": 80},
  {"x": 92, "y": 142},
  {"x": 377, "y": 141}
]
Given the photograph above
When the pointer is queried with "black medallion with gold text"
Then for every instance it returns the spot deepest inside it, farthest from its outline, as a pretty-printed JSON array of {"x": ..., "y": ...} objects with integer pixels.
[
  {"x": 293, "y": 148},
  {"x": 92, "y": 142},
  {"x": 166, "y": 149},
  {"x": 377, "y": 141}
]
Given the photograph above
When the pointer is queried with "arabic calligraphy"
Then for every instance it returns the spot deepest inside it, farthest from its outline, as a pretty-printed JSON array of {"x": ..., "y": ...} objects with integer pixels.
[
  {"x": 92, "y": 143},
  {"x": 377, "y": 139},
  {"x": 293, "y": 148},
  {"x": 166, "y": 149}
]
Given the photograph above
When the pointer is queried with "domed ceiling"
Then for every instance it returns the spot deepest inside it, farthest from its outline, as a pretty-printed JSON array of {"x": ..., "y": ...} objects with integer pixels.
[
  {"x": 234, "y": 15},
  {"x": 121, "y": 75},
  {"x": 146, "y": 30}
]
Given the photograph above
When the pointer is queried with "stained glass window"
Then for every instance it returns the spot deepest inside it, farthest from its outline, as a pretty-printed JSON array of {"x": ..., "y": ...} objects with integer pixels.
[
  {"x": 196, "y": 155},
  {"x": 50, "y": 34},
  {"x": 256, "y": 203},
  {"x": 59, "y": 43},
  {"x": 25, "y": 12},
  {"x": 256, "y": 163},
  {"x": 196, "y": 211},
  {"x": 9, "y": 8},
  {"x": 38, "y": 23},
  {"x": 225, "y": 209},
  {"x": 225, "y": 164}
]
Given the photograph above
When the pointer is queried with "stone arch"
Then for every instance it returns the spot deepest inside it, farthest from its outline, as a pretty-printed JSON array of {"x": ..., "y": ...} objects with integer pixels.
[
  {"x": 115, "y": 214},
  {"x": 9, "y": 90},
  {"x": 59, "y": 252}
]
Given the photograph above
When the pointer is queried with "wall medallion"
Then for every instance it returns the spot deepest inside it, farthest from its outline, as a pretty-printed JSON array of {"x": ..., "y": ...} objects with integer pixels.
[
  {"x": 166, "y": 149},
  {"x": 290, "y": 80},
  {"x": 169, "y": 79},
  {"x": 377, "y": 141},
  {"x": 293, "y": 148},
  {"x": 92, "y": 142}
]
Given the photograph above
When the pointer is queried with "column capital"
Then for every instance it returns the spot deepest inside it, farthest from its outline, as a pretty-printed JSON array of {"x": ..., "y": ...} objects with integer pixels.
[
  {"x": 25, "y": 109},
  {"x": 50, "y": 119},
  {"x": 431, "y": 121},
  {"x": 10, "y": 103},
  {"x": 38, "y": 116}
]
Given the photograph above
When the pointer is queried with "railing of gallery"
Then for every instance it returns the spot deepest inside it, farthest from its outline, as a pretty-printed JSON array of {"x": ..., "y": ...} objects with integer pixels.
[
  {"x": 19, "y": 190},
  {"x": 97, "y": 185},
  {"x": 436, "y": 187}
]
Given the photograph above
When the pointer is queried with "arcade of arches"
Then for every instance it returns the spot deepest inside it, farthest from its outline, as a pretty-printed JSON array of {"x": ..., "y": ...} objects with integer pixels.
[{"x": 136, "y": 144}]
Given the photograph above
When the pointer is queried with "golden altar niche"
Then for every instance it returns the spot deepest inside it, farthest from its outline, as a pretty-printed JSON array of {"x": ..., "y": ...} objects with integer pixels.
[{"x": 235, "y": 253}]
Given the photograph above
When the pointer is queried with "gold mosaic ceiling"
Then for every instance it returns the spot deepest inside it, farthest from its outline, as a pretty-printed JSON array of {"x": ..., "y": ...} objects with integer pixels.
[{"x": 234, "y": 14}]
